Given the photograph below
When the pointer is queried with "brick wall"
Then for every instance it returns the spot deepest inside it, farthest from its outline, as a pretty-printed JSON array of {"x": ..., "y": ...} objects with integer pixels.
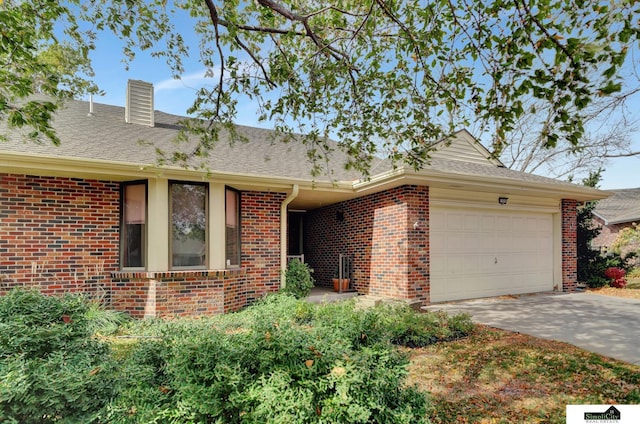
[
  {"x": 260, "y": 250},
  {"x": 609, "y": 233},
  {"x": 569, "y": 245},
  {"x": 179, "y": 293},
  {"x": 390, "y": 256},
  {"x": 57, "y": 234}
]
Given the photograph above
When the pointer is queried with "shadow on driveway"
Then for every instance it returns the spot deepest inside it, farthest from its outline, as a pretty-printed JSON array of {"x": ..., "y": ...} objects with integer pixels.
[{"x": 606, "y": 325}]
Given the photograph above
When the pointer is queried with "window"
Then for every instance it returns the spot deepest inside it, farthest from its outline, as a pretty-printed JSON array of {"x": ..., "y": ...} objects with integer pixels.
[
  {"x": 232, "y": 225},
  {"x": 188, "y": 221},
  {"x": 133, "y": 245}
]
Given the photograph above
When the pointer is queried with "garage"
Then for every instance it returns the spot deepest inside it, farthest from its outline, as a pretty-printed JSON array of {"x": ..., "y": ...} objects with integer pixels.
[{"x": 479, "y": 252}]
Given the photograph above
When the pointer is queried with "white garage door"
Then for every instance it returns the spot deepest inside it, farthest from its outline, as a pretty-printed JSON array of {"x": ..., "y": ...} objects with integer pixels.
[{"x": 480, "y": 253}]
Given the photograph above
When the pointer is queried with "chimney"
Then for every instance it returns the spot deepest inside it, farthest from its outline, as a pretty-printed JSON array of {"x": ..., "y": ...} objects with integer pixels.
[{"x": 139, "y": 104}]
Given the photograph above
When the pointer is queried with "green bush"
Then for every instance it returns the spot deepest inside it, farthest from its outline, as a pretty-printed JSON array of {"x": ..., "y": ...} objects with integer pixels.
[
  {"x": 634, "y": 273},
  {"x": 413, "y": 329},
  {"x": 595, "y": 269},
  {"x": 279, "y": 361},
  {"x": 298, "y": 279},
  {"x": 104, "y": 321},
  {"x": 51, "y": 369},
  {"x": 142, "y": 385}
]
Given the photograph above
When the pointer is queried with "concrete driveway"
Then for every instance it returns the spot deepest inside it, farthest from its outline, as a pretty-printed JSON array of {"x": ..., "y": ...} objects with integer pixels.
[{"x": 606, "y": 325}]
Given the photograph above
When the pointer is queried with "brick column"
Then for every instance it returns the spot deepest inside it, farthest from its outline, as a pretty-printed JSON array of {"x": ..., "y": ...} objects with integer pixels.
[
  {"x": 569, "y": 245},
  {"x": 260, "y": 247},
  {"x": 417, "y": 228}
]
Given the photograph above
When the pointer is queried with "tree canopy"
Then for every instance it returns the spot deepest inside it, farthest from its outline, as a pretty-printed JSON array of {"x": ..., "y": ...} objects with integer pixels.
[{"x": 379, "y": 76}]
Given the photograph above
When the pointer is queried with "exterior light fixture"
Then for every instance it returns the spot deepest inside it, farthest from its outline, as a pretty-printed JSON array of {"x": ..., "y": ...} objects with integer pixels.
[{"x": 503, "y": 200}]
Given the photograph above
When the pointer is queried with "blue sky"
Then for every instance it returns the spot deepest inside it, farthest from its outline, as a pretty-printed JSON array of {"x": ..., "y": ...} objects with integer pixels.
[{"x": 175, "y": 96}]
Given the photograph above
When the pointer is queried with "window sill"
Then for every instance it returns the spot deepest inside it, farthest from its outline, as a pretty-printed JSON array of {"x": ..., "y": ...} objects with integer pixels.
[{"x": 215, "y": 273}]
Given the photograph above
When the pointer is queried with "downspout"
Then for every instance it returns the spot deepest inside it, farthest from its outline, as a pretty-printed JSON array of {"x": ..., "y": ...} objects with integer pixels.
[{"x": 283, "y": 233}]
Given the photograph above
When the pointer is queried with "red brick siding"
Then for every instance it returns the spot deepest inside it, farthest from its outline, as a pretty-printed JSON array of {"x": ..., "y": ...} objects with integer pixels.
[
  {"x": 58, "y": 234},
  {"x": 260, "y": 250},
  {"x": 417, "y": 227},
  {"x": 609, "y": 233},
  {"x": 181, "y": 293},
  {"x": 569, "y": 245},
  {"x": 390, "y": 256}
]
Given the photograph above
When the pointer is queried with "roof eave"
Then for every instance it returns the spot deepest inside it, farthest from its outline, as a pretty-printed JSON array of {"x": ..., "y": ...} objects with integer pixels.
[
  {"x": 122, "y": 171},
  {"x": 406, "y": 175}
]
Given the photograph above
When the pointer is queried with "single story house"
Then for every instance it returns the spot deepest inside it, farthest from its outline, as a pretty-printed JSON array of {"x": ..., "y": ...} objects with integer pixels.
[
  {"x": 97, "y": 214},
  {"x": 618, "y": 211}
]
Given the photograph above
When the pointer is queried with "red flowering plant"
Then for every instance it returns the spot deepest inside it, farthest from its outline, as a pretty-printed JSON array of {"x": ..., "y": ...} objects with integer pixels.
[{"x": 616, "y": 277}]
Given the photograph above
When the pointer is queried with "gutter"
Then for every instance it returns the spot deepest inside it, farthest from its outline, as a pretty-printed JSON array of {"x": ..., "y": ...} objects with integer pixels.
[
  {"x": 283, "y": 233},
  {"x": 499, "y": 183},
  {"x": 18, "y": 162}
]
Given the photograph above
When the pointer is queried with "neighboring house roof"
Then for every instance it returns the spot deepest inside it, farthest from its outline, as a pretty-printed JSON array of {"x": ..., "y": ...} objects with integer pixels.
[
  {"x": 622, "y": 206},
  {"x": 103, "y": 145}
]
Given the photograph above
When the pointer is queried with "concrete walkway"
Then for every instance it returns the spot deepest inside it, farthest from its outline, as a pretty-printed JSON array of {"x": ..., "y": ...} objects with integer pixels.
[
  {"x": 325, "y": 294},
  {"x": 606, "y": 325}
]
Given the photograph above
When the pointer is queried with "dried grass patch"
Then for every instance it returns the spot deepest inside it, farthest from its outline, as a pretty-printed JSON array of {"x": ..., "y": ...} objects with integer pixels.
[{"x": 499, "y": 376}]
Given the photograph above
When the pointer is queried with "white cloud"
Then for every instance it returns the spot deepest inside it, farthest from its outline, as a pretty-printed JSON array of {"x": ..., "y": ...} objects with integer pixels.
[{"x": 192, "y": 80}]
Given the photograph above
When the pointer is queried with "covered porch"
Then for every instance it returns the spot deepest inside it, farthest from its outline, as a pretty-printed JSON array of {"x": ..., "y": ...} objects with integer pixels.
[{"x": 373, "y": 241}]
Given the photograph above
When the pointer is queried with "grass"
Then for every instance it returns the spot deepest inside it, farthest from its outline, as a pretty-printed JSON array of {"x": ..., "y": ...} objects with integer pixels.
[
  {"x": 496, "y": 376},
  {"x": 633, "y": 283}
]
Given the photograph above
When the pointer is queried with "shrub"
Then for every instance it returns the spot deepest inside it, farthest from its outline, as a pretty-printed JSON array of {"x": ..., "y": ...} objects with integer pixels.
[
  {"x": 104, "y": 321},
  {"x": 143, "y": 387},
  {"x": 51, "y": 369},
  {"x": 628, "y": 241},
  {"x": 634, "y": 273},
  {"x": 591, "y": 264},
  {"x": 412, "y": 329},
  {"x": 597, "y": 267},
  {"x": 298, "y": 279},
  {"x": 279, "y": 361},
  {"x": 616, "y": 277}
]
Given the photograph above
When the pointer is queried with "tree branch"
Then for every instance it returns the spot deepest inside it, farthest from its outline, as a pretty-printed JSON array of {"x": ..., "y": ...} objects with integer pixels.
[
  {"x": 257, "y": 62},
  {"x": 621, "y": 155},
  {"x": 304, "y": 20},
  {"x": 554, "y": 38},
  {"x": 266, "y": 30},
  {"x": 213, "y": 13},
  {"x": 418, "y": 52}
]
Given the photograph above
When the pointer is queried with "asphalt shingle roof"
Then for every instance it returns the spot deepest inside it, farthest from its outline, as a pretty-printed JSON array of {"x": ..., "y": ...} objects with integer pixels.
[
  {"x": 466, "y": 168},
  {"x": 104, "y": 135},
  {"x": 622, "y": 206}
]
